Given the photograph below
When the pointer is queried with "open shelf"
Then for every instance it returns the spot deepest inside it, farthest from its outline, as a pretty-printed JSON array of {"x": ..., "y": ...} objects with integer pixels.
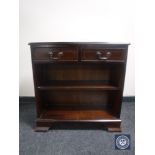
[
  {"x": 78, "y": 77},
  {"x": 77, "y": 115},
  {"x": 77, "y": 85}
]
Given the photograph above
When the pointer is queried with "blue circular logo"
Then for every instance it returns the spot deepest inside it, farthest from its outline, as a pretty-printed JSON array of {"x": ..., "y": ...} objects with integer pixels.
[{"x": 122, "y": 142}]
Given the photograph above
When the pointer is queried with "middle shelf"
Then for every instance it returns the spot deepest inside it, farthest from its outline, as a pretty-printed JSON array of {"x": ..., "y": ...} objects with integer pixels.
[{"x": 77, "y": 85}]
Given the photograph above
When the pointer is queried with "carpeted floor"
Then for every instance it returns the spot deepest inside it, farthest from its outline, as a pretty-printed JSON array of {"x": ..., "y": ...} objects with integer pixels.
[{"x": 60, "y": 141}]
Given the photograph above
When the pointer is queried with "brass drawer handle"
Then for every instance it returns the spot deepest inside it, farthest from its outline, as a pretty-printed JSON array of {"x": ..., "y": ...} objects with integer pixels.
[
  {"x": 51, "y": 53},
  {"x": 100, "y": 57}
]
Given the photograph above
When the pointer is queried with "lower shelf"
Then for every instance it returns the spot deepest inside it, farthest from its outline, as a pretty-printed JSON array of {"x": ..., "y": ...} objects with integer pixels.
[
  {"x": 78, "y": 115},
  {"x": 49, "y": 117}
]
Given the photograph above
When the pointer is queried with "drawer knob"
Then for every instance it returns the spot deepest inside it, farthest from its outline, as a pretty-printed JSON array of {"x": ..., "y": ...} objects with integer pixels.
[
  {"x": 101, "y": 57},
  {"x": 52, "y": 57}
]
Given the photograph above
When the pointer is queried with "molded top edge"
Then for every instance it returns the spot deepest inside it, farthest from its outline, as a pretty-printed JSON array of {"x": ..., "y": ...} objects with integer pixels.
[{"x": 76, "y": 43}]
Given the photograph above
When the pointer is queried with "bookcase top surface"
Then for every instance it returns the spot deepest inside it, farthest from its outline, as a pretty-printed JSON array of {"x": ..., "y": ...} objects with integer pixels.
[{"x": 77, "y": 43}]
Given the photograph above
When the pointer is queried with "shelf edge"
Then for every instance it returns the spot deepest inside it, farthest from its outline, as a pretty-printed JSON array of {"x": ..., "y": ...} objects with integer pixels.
[{"x": 57, "y": 120}]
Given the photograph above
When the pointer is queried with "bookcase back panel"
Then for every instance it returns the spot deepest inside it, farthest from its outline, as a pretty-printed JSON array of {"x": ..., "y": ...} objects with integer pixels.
[
  {"x": 75, "y": 99},
  {"x": 57, "y": 73}
]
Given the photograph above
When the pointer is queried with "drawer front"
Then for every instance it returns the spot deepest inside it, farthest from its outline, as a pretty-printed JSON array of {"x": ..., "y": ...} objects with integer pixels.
[
  {"x": 103, "y": 55},
  {"x": 55, "y": 54}
]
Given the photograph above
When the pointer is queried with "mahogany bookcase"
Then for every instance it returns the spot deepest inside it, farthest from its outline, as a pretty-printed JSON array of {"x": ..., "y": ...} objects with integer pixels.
[{"x": 78, "y": 82}]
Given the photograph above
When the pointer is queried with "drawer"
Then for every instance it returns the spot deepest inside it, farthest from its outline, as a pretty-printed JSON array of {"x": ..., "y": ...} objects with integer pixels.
[
  {"x": 103, "y": 55},
  {"x": 55, "y": 54}
]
